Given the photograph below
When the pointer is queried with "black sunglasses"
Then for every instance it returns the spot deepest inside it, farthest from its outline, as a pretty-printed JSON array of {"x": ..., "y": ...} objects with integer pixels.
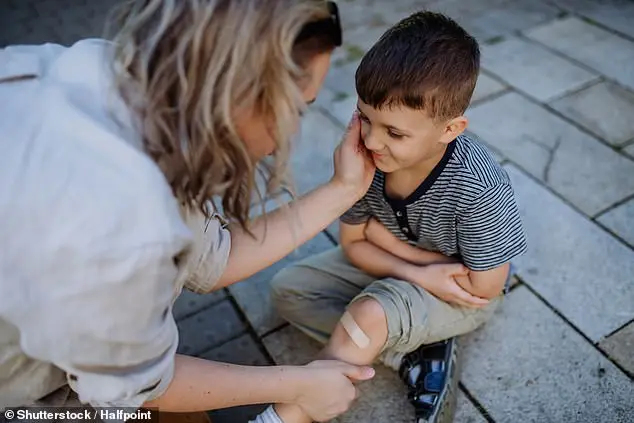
[{"x": 330, "y": 25}]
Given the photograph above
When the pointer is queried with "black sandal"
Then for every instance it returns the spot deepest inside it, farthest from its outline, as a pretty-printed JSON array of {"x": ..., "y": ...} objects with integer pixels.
[{"x": 431, "y": 376}]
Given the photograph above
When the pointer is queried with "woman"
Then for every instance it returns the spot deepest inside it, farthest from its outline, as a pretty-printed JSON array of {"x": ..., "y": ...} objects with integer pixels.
[{"x": 112, "y": 154}]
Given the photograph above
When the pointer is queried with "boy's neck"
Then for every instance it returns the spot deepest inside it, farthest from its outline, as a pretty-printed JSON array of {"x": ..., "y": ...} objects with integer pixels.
[{"x": 402, "y": 183}]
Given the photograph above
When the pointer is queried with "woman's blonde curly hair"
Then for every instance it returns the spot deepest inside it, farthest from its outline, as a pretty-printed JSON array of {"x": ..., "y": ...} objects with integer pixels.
[{"x": 187, "y": 66}]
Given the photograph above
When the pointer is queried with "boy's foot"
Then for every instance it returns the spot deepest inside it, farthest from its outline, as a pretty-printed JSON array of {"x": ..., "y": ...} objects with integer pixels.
[{"x": 431, "y": 376}]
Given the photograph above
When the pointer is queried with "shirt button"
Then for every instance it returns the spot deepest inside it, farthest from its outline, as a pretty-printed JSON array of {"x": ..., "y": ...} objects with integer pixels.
[
  {"x": 399, "y": 214},
  {"x": 405, "y": 230}
]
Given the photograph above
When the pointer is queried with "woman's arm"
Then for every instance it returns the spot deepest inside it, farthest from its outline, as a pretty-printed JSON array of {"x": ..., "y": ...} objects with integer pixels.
[
  {"x": 278, "y": 233},
  {"x": 200, "y": 385}
]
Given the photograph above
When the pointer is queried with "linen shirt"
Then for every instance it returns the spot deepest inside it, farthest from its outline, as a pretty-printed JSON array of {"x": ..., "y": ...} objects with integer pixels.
[{"x": 94, "y": 248}]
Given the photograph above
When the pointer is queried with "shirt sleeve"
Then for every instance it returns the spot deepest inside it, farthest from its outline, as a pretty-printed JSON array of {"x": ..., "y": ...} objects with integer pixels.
[
  {"x": 207, "y": 259},
  {"x": 359, "y": 213},
  {"x": 490, "y": 231}
]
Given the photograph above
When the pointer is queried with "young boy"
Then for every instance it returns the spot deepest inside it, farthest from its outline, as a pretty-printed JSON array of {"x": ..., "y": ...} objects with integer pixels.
[{"x": 425, "y": 255}]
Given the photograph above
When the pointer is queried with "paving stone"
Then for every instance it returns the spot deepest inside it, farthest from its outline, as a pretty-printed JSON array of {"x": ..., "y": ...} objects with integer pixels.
[
  {"x": 615, "y": 14},
  {"x": 604, "y": 109},
  {"x": 490, "y": 19},
  {"x": 243, "y": 350},
  {"x": 383, "y": 399},
  {"x": 466, "y": 412},
  {"x": 338, "y": 105},
  {"x": 209, "y": 328},
  {"x": 587, "y": 173},
  {"x": 373, "y": 13},
  {"x": 595, "y": 47},
  {"x": 312, "y": 154},
  {"x": 533, "y": 69},
  {"x": 189, "y": 302},
  {"x": 57, "y": 21},
  {"x": 580, "y": 269},
  {"x": 619, "y": 347},
  {"x": 253, "y": 295},
  {"x": 486, "y": 87},
  {"x": 629, "y": 150},
  {"x": 340, "y": 80},
  {"x": 554, "y": 375},
  {"x": 621, "y": 221}
]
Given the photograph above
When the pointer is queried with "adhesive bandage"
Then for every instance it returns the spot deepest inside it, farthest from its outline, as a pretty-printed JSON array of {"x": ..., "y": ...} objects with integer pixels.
[{"x": 355, "y": 333}]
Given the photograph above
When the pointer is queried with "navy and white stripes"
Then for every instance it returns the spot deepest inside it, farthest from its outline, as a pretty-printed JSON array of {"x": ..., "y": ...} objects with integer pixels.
[{"x": 464, "y": 208}]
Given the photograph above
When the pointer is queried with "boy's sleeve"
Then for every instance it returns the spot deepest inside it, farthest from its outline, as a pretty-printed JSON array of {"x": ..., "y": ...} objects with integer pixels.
[
  {"x": 357, "y": 214},
  {"x": 490, "y": 231}
]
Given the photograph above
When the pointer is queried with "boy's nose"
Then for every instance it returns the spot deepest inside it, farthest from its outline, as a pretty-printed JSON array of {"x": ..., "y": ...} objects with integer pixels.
[{"x": 372, "y": 142}]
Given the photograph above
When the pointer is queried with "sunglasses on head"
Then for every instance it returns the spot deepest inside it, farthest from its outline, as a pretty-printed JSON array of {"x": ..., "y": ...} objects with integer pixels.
[{"x": 330, "y": 25}]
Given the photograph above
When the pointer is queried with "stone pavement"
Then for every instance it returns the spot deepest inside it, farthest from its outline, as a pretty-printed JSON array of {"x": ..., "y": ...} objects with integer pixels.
[{"x": 555, "y": 101}]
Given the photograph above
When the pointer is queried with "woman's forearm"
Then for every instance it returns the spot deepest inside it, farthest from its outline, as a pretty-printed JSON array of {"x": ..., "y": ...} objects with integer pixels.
[
  {"x": 200, "y": 385},
  {"x": 278, "y": 233}
]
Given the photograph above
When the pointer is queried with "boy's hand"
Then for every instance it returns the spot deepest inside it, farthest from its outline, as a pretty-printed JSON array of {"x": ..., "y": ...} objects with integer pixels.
[{"x": 440, "y": 280}]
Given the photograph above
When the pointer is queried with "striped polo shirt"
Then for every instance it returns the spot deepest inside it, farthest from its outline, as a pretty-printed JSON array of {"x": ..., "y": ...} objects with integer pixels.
[{"x": 465, "y": 208}]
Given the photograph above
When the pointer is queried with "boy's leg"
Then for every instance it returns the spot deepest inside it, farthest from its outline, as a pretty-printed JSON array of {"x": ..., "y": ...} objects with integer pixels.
[
  {"x": 397, "y": 316},
  {"x": 313, "y": 293}
]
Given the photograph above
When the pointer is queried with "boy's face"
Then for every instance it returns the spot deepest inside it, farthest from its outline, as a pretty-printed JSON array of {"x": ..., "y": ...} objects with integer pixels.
[{"x": 401, "y": 138}]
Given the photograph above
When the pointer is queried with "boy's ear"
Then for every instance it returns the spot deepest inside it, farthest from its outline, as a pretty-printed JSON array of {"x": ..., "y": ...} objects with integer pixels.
[{"x": 455, "y": 127}]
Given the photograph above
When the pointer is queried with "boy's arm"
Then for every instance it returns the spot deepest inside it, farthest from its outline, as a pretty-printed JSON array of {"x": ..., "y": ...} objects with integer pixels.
[
  {"x": 438, "y": 279},
  {"x": 485, "y": 284},
  {"x": 380, "y": 236},
  {"x": 490, "y": 235},
  {"x": 368, "y": 257}
]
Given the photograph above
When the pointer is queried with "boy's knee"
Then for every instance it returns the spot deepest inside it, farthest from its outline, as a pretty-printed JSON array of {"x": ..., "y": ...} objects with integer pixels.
[{"x": 365, "y": 323}]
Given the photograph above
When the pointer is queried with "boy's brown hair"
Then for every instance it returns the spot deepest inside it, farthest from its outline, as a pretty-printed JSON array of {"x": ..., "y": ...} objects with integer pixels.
[{"x": 426, "y": 62}]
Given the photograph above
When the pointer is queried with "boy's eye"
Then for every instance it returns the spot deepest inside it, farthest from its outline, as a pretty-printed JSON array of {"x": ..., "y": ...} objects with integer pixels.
[{"x": 394, "y": 135}]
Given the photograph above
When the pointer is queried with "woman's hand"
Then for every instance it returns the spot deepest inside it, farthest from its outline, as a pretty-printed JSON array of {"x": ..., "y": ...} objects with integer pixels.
[
  {"x": 354, "y": 167},
  {"x": 328, "y": 390}
]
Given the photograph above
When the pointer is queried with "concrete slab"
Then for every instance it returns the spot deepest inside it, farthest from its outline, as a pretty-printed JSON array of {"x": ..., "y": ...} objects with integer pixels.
[
  {"x": 466, "y": 412},
  {"x": 534, "y": 70},
  {"x": 579, "y": 268},
  {"x": 243, "y": 350},
  {"x": 209, "y": 328},
  {"x": 615, "y": 14},
  {"x": 189, "y": 302},
  {"x": 312, "y": 153},
  {"x": 619, "y": 347},
  {"x": 621, "y": 221},
  {"x": 629, "y": 150},
  {"x": 604, "y": 109},
  {"x": 486, "y": 87},
  {"x": 491, "y": 19},
  {"x": 253, "y": 295},
  {"x": 373, "y": 13},
  {"x": 587, "y": 173},
  {"x": 338, "y": 105},
  {"x": 59, "y": 21},
  {"x": 555, "y": 374},
  {"x": 589, "y": 44}
]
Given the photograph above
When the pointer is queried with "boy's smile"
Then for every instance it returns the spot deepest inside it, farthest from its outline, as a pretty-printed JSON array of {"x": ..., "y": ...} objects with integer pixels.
[{"x": 400, "y": 137}]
